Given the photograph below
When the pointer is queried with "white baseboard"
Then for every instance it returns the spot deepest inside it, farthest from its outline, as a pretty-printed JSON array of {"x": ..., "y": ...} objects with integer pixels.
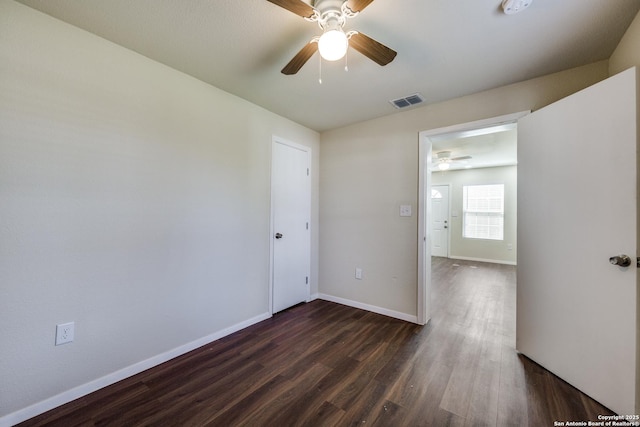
[
  {"x": 374, "y": 309},
  {"x": 90, "y": 387},
  {"x": 313, "y": 297},
  {"x": 493, "y": 261}
]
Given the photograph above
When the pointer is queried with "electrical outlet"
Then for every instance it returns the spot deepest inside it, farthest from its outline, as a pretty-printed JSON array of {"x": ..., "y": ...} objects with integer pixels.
[
  {"x": 64, "y": 333},
  {"x": 359, "y": 273}
]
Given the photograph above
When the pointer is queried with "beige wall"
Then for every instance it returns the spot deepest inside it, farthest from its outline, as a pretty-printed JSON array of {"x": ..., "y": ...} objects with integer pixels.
[
  {"x": 369, "y": 169},
  {"x": 627, "y": 54},
  {"x": 480, "y": 249},
  {"x": 134, "y": 200}
]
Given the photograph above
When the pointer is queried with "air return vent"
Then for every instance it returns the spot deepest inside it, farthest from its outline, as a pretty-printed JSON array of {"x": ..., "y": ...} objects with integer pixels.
[{"x": 407, "y": 101}]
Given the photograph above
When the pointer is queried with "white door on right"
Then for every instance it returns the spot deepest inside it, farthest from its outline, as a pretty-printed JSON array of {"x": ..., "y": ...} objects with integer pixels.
[
  {"x": 440, "y": 220},
  {"x": 577, "y": 208}
]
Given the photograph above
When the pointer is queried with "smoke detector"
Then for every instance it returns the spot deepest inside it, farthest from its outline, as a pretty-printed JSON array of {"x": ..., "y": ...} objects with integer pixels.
[{"x": 511, "y": 7}]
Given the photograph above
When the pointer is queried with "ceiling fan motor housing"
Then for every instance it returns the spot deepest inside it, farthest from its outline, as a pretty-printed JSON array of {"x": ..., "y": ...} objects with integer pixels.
[
  {"x": 324, "y": 6},
  {"x": 512, "y": 7},
  {"x": 330, "y": 14}
]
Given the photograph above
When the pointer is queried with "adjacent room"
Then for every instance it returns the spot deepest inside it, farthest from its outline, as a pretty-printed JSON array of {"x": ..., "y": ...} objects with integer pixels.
[
  {"x": 474, "y": 195},
  {"x": 209, "y": 216}
]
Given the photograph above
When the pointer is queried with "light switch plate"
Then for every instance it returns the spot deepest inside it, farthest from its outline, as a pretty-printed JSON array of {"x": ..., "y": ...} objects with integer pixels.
[{"x": 405, "y": 210}]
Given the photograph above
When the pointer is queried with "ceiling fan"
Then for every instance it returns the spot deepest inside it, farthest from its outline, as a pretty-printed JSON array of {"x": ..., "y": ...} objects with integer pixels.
[
  {"x": 444, "y": 160},
  {"x": 331, "y": 16}
]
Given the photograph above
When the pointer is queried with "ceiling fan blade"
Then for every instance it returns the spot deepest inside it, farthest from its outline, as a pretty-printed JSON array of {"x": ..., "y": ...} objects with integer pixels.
[
  {"x": 298, "y": 7},
  {"x": 300, "y": 59},
  {"x": 358, "y": 5},
  {"x": 372, "y": 49},
  {"x": 457, "y": 159}
]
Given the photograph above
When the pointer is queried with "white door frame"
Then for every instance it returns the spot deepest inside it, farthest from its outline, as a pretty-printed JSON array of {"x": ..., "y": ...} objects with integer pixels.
[
  {"x": 424, "y": 207},
  {"x": 278, "y": 140}
]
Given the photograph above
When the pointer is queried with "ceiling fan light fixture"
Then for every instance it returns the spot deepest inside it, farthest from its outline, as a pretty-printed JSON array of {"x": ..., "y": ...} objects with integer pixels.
[
  {"x": 333, "y": 44},
  {"x": 443, "y": 166}
]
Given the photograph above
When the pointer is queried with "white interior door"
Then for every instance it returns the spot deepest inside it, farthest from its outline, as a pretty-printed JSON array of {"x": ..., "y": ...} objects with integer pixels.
[
  {"x": 440, "y": 220},
  {"x": 291, "y": 211},
  {"x": 577, "y": 207}
]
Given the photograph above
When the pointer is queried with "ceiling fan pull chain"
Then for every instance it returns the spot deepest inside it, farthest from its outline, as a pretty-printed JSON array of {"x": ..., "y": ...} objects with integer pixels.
[
  {"x": 319, "y": 69},
  {"x": 346, "y": 61}
]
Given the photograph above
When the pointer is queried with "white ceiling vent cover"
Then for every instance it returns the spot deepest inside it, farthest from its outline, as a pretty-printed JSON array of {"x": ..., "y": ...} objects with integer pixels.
[{"x": 407, "y": 101}]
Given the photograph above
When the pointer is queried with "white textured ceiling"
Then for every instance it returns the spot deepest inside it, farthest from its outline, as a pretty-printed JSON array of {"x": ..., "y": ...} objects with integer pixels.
[{"x": 446, "y": 48}]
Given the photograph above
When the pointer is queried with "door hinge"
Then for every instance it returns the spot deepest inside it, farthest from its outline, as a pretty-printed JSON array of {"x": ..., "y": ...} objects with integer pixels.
[
  {"x": 307, "y": 171},
  {"x": 306, "y": 280},
  {"x": 307, "y": 226}
]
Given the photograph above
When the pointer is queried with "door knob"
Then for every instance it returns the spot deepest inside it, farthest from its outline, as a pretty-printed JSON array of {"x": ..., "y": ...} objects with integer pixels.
[
  {"x": 620, "y": 260},
  {"x": 278, "y": 235}
]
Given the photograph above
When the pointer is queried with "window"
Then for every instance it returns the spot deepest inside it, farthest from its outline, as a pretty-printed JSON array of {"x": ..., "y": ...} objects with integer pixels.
[{"x": 483, "y": 211}]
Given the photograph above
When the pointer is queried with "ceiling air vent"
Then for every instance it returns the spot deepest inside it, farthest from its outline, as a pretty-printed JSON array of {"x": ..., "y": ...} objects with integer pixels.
[{"x": 407, "y": 101}]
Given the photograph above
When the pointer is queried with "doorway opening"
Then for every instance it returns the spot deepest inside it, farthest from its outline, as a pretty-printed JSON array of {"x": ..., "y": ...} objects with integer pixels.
[{"x": 455, "y": 157}]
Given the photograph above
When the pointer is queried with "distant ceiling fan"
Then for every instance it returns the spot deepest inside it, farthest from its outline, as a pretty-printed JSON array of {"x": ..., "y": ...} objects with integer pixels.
[
  {"x": 444, "y": 160},
  {"x": 331, "y": 16}
]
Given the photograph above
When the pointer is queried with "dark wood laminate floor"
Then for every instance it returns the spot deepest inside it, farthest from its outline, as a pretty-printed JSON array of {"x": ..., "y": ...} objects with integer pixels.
[{"x": 324, "y": 364}]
